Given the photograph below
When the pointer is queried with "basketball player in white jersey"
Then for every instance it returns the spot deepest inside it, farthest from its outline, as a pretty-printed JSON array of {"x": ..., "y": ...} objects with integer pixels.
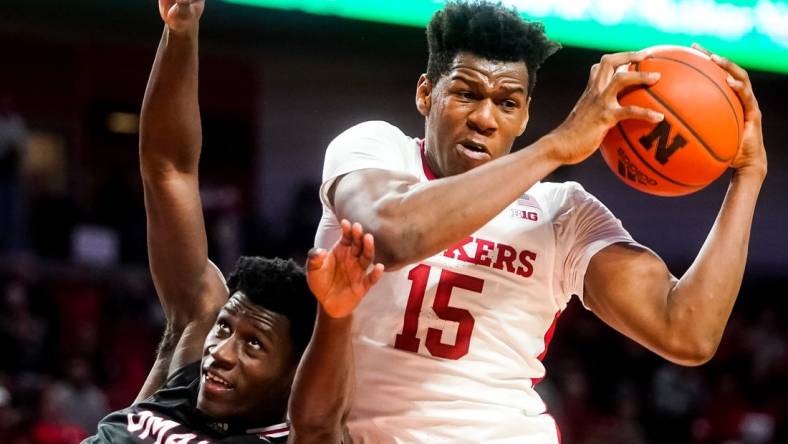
[{"x": 482, "y": 257}]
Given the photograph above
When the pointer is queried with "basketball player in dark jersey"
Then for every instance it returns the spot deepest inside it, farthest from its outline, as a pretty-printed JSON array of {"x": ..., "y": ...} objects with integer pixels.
[
  {"x": 230, "y": 351},
  {"x": 237, "y": 392}
]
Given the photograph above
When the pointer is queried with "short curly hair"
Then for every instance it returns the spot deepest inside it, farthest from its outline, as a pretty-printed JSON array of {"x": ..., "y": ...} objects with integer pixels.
[
  {"x": 278, "y": 285},
  {"x": 488, "y": 30}
]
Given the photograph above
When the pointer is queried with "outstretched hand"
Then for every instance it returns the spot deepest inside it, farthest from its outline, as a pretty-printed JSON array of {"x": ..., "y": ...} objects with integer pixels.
[
  {"x": 338, "y": 277},
  {"x": 181, "y": 16}
]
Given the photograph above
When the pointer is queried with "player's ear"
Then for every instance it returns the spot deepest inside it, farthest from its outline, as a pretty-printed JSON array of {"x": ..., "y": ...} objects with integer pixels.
[{"x": 424, "y": 95}]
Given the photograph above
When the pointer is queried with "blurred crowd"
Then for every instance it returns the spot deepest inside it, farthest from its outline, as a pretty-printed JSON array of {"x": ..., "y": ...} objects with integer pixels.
[
  {"x": 80, "y": 321},
  {"x": 604, "y": 388}
]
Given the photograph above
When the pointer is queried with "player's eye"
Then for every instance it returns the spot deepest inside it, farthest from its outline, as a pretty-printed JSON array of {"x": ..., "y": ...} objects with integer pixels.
[
  {"x": 509, "y": 104},
  {"x": 467, "y": 95},
  {"x": 222, "y": 328},
  {"x": 255, "y": 343}
]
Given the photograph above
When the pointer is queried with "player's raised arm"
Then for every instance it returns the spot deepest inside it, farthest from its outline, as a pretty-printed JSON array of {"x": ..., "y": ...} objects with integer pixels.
[
  {"x": 683, "y": 320},
  {"x": 473, "y": 115},
  {"x": 190, "y": 288},
  {"x": 339, "y": 278}
]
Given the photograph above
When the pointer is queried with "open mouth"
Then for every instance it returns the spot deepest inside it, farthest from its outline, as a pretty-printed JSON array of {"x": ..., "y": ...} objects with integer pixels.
[
  {"x": 474, "y": 147},
  {"x": 474, "y": 150},
  {"x": 215, "y": 382}
]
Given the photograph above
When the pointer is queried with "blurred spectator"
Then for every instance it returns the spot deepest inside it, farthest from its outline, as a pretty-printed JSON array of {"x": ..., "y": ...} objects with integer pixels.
[
  {"x": 676, "y": 396},
  {"x": 117, "y": 214},
  {"x": 129, "y": 334},
  {"x": 222, "y": 205},
  {"x": 768, "y": 347},
  {"x": 79, "y": 306},
  {"x": 50, "y": 427},
  {"x": 724, "y": 412},
  {"x": 9, "y": 416},
  {"x": 304, "y": 215},
  {"x": 23, "y": 333},
  {"x": 574, "y": 401},
  {"x": 13, "y": 143},
  {"x": 620, "y": 427},
  {"x": 757, "y": 428},
  {"x": 53, "y": 216},
  {"x": 77, "y": 399}
]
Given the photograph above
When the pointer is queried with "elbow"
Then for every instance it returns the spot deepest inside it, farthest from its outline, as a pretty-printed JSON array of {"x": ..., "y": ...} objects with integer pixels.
[
  {"x": 153, "y": 172},
  {"x": 315, "y": 426},
  {"x": 396, "y": 242},
  {"x": 150, "y": 156},
  {"x": 690, "y": 352},
  {"x": 392, "y": 260},
  {"x": 398, "y": 238},
  {"x": 689, "y": 340},
  {"x": 394, "y": 251},
  {"x": 163, "y": 160}
]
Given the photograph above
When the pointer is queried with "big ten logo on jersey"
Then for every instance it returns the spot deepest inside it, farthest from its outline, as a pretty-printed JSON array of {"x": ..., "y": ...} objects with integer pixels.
[
  {"x": 661, "y": 134},
  {"x": 525, "y": 207}
]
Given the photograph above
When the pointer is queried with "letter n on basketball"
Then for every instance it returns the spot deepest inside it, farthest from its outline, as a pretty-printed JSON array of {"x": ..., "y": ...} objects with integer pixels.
[{"x": 661, "y": 133}]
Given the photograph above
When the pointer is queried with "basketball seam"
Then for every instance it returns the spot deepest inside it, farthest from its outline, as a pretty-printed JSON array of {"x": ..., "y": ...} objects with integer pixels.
[
  {"x": 678, "y": 117},
  {"x": 636, "y": 153},
  {"x": 733, "y": 109}
]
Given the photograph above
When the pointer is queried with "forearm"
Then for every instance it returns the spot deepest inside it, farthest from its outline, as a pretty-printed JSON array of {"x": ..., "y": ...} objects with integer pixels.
[
  {"x": 323, "y": 382},
  {"x": 700, "y": 304},
  {"x": 417, "y": 221},
  {"x": 170, "y": 137},
  {"x": 170, "y": 133}
]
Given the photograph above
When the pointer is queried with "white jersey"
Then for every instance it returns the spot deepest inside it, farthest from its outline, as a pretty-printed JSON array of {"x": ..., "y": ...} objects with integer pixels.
[{"x": 449, "y": 349}]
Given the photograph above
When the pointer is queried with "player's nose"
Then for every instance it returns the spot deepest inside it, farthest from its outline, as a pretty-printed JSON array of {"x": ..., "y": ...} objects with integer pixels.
[
  {"x": 224, "y": 354},
  {"x": 482, "y": 118}
]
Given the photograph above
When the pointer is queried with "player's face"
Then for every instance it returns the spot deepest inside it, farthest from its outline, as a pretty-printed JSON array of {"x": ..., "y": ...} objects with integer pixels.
[
  {"x": 474, "y": 112},
  {"x": 247, "y": 365}
]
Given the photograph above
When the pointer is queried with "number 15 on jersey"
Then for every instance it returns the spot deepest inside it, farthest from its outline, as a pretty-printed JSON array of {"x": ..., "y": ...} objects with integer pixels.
[{"x": 449, "y": 280}]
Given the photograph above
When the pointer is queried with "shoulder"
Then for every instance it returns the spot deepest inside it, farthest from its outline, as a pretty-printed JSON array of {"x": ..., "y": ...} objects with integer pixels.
[
  {"x": 370, "y": 145},
  {"x": 183, "y": 376},
  {"x": 559, "y": 191},
  {"x": 559, "y": 197},
  {"x": 569, "y": 204},
  {"x": 369, "y": 135},
  {"x": 373, "y": 128}
]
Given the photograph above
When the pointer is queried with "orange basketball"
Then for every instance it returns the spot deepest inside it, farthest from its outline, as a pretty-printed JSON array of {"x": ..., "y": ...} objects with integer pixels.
[{"x": 697, "y": 140}]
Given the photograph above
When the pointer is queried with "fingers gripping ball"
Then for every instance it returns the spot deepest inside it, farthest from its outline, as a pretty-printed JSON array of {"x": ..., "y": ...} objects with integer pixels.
[{"x": 699, "y": 136}]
